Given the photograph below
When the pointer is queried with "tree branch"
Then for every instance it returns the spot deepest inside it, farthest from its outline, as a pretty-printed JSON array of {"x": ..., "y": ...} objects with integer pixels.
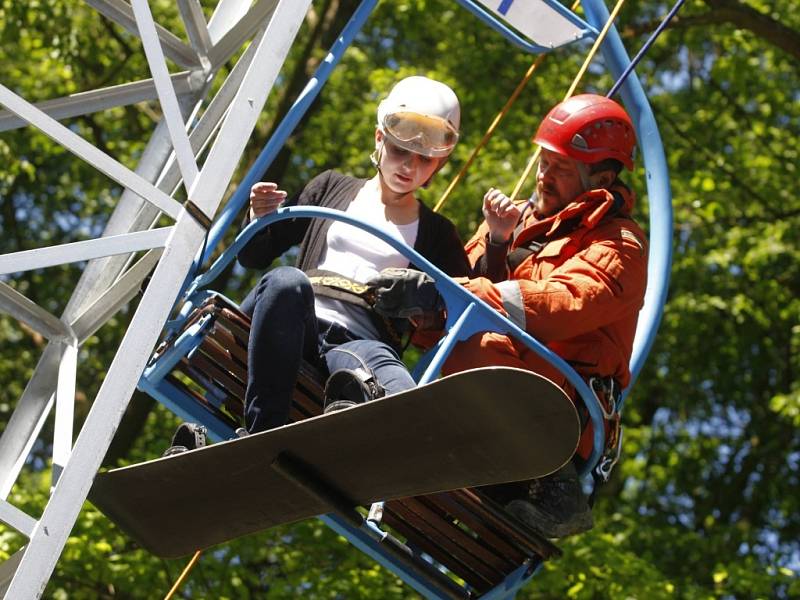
[{"x": 735, "y": 13}]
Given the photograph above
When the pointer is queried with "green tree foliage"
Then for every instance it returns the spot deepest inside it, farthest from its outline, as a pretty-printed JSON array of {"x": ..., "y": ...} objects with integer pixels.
[{"x": 704, "y": 503}]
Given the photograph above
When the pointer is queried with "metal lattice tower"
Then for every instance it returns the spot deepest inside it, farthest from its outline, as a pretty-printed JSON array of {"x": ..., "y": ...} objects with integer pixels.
[{"x": 219, "y": 128}]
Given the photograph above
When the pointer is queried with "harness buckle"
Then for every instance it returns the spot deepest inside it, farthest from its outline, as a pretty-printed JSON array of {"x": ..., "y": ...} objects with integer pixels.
[
  {"x": 534, "y": 246},
  {"x": 606, "y": 392},
  {"x": 608, "y": 462}
]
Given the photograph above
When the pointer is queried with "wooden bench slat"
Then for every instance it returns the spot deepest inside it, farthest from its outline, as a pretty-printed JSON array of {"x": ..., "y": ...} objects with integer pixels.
[
  {"x": 233, "y": 344},
  {"x": 416, "y": 534},
  {"x": 504, "y": 550},
  {"x": 217, "y": 374},
  {"x": 531, "y": 541},
  {"x": 223, "y": 359},
  {"x": 453, "y": 540}
]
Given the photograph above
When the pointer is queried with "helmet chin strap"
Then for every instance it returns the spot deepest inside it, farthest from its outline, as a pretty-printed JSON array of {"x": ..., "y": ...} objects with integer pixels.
[{"x": 375, "y": 157}]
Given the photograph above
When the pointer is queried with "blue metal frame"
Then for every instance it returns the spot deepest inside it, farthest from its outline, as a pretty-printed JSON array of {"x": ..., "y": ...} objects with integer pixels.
[
  {"x": 587, "y": 31},
  {"x": 467, "y": 314}
]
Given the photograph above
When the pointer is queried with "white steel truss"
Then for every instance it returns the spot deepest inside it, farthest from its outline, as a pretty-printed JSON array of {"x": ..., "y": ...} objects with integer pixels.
[{"x": 112, "y": 276}]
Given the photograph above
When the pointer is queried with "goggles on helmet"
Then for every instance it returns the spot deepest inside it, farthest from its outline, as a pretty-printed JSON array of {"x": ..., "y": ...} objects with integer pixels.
[{"x": 423, "y": 134}]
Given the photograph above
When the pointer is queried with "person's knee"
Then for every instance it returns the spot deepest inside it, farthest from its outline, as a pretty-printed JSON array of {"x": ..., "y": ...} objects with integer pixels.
[
  {"x": 383, "y": 352},
  {"x": 465, "y": 355},
  {"x": 287, "y": 284}
]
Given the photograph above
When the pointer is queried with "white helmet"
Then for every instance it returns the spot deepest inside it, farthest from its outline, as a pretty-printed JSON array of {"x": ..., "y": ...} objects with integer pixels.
[{"x": 421, "y": 115}]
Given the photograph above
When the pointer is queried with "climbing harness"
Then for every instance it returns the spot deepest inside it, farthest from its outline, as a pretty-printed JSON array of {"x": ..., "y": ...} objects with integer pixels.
[{"x": 338, "y": 287}]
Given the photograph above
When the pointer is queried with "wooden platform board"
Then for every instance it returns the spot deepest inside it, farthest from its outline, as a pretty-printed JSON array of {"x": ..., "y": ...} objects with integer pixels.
[{"x": 480, "y": 427}]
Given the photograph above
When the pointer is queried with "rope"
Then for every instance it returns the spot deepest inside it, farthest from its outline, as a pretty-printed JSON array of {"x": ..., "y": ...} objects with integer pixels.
[
  {"x": 184, "y": 575},
  {"x": 489, "y": 131},
  {"x": 500, "y": 116},
  {"x": 578, "y": 77},
  {"x": 645, "y": 48}
]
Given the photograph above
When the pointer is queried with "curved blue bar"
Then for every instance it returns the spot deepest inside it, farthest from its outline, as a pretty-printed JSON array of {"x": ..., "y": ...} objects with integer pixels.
[
  {"x": 512, "y": 36},
  {"x": 658, "y": 188}
]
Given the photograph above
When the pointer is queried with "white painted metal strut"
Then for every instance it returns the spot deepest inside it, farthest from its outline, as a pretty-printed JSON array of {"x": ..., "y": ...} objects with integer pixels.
[
  {"x": 166, "y": 93},
  {"x": 86, "y": 151},
  {"x": 95, "y": 100},
  {"x": 121, "y": 12},
  {"x": 99, "y": 296},
  {"x": 26, "y": 260}
]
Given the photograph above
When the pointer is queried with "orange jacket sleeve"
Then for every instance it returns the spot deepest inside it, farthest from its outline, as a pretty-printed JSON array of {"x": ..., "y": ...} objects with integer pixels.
[{"x": 601, "y": 283}]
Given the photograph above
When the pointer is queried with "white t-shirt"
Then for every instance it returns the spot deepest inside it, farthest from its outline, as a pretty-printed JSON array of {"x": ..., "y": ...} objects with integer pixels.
[{"x": 359, "y": 255}]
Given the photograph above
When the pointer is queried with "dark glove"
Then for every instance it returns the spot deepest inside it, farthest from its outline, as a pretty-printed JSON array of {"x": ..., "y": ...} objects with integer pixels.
[{"x": 407, "y": 293}]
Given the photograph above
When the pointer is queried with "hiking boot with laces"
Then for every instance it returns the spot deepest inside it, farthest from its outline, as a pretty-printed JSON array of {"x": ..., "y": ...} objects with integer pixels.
[
  {"x": 555, "y": 505},
  {"x": 346, "y": 388},
  {"x": 188, "y": 436}
]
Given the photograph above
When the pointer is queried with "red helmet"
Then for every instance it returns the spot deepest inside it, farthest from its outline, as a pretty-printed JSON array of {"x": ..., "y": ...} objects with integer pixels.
[{"x": 588, "y": 128}]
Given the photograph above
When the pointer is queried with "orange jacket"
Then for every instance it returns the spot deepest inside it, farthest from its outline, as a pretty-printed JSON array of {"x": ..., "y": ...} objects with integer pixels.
[{"x": 580, "y": 294}]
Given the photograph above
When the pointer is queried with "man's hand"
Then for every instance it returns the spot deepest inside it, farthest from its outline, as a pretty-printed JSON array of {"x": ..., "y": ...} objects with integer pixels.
[
  {"x": 501, "y": 215},
  {"x": 265, "y": 197},
  {"x": 407, "y": 293}
]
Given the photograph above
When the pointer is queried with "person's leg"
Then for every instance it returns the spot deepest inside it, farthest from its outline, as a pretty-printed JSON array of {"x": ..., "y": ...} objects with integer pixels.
[
  {"x": 555, "y": 505},
  {"x": 283, "y": 331},
  {"x": 362, "y": 370},
  {"x": 497, "y": 350}
]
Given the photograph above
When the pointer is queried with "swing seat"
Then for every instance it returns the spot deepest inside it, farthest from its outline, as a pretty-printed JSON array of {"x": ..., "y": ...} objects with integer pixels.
[{"x": 463, "y": 530}]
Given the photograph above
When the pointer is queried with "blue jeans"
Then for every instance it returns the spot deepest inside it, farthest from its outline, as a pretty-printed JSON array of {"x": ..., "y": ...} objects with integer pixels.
[{"x": 285, "y": 331}]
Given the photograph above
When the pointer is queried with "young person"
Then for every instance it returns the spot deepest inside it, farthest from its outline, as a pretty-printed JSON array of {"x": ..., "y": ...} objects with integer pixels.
[{"x": 314, "y": 311}]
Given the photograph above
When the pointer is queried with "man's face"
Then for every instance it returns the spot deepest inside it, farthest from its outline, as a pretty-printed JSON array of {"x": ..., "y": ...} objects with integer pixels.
[{"x": 558, "y": 182}]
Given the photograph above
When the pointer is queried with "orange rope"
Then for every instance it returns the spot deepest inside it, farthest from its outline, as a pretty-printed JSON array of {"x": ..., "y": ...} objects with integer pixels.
[
  {"x": 578, "y": 77},
  {"x": 490, "y": 131},
  {"x": 184, "y": 575}
]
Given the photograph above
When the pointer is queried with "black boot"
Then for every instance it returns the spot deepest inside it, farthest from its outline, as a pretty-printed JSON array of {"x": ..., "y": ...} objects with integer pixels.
[
  {"x": 554, "y": 505},
  {"x": 346, "y": 388},
  {"x": 188, "y": 436}
]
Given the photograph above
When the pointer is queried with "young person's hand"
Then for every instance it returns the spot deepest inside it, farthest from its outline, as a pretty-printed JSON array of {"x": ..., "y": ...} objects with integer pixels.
[
  {"x": 265, "y": 197},
  {"x": 501, "y": 215}
]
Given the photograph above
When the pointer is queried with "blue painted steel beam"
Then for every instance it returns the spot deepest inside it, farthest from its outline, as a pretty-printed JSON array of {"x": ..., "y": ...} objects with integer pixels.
[
  {"x": 658, "y": 187},
  {"x": 488, "y": 18}
]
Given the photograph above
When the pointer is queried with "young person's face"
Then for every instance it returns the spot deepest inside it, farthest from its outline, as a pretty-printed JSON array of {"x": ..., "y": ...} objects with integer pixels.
[
  {"x": 558, "y": 182},
  {"x": 404, "y": 171}
]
